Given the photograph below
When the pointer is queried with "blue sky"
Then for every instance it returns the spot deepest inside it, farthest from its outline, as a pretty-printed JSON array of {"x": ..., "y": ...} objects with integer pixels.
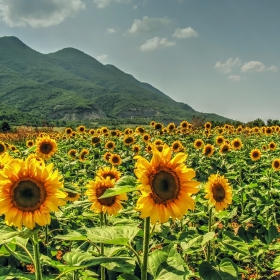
[{"x": 219, "y": 57}]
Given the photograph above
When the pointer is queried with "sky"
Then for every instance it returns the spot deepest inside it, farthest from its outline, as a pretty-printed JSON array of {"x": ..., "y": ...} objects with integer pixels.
[{"x": 218, "y": 56}]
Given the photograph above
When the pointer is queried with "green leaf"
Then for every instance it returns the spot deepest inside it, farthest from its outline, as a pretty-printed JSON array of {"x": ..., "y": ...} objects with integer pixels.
[
  {"x": 207, "y": 237},
  {"x": 271, "y": 234},
  {"x": 235, "y": 246},
  {"x": 208, "y": 272},
  {"x": 117, "y": 191},
  {"x": 228, "y": 270},
  {"x": 126, "y": 181},
  {"x": 156, "y": 258},
  {"x": 127, "y": 276},
  {"x": 7, "y": 234},
  {"x": 193, "y": 245},
  {"x": 72, "y": 236},
  {"x": 276, "y": 263},
  {"x": 121, "y": 265},
  {"x": 118, "y": 235}
]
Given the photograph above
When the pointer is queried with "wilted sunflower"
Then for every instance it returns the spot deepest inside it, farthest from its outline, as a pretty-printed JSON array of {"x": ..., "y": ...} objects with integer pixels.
[
  {"x": 255, "y": 154},
  {"x": 110, "y": 145},
  {"x": 225, "y": 148},
  {"x": 219, "y": 140},
  {"x": 72, "y": 153},
  {"x": 177, "y": 146},
  {"x": 46, "y": 147},
  {"x": 95, "y": 140},
  {"x": 29, "y": 143},
  {"x": 2, "y": 148},
  {"x": 208, "y": 150},
  {"x": 236, "y": 144},
  {"x": 81, "y": 129},
  {"x": 110, "y": 172},
  {"x": 129, "y": 140},
  {"x": 136, "y": 149},
  {"x": 68, "y": 130},
  {"x": 166, "y": 186},
  {"x": 218, "y": 191},
  {"x": 83, "y": 154},
  {"x": 272, "y": 146},
  {"x": 146, "y": 137},
  {"x": 276, "y": 164},
  {"x": 198, "y": 143},
  {"x": 115, "y": 159},
  {"x": 107, "y": 156},
  {"x": 29, "y": 192},
  {"x": 111, "y": 205}
]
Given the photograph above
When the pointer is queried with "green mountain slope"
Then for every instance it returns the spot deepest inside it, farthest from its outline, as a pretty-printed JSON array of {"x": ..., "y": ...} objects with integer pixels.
[{"x": 71, "y": 85}]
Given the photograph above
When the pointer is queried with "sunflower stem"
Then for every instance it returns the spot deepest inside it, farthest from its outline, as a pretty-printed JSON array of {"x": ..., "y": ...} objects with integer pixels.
[
  {"x": 145, "y": 248},
  {"x": 38, "y": 269},
  {"x": 209, "y": 230},
  {"x": 102, "y": 220}
]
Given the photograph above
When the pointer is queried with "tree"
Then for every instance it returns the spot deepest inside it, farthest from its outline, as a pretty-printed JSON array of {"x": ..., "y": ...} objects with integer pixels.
[{"x": 5, "y": 126}]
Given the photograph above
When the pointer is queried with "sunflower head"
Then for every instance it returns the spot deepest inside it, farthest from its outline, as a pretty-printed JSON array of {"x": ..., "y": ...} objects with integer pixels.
[
  {"x": 219, "y": 140},
  {"x": 81, "y": 129},
  {"x": 83, "y": 154},
  {"x": 225, "y": 148},
  {"x": 272, "y": 146},
  {"x": 152, "y": 123},
  {"x": 29, "y": 143},
  {"x": 72, "y": 153},
  {"x": 166, "y": 186},
  {"x": 46, "y": 147},
  {"x": 276, "y": 164},
  {"x": 129, "y": 140},
  {"x": 158, "y": 126},
  {"x": 171, "y": 127},
  {"x": 146, "y": 137},
  {"x": 208, "y": 150},
  {"x": 184, "y": 124},
  {"x": 177, "y": 146},
  {"x": 140, "y": 130},
  {"x": 236, "y": 144},
  {"x": 136, "y": 149},
  {"x": 68, "y": 130},
  {"x": 158, "y": 142},
  {"x": 110, "y": 145},
  {"x": 207, "y": 125},
  {"x": 268, "y": 130},
  {"x": 149, "y": 148},
  {"x": 73, "y": 193},
  {"x": 2, "y": 148},
  {"x": 115, "y": 159},
  {"x": 29, "y": 192},
  {"x": 255, "y": 154},
  {"x": 198, "y": 144},
  {"x": 218, "y": 192},
  {"x": 110, "y": 172},
  {"x": 95, "y": 140},
  {"x": 107, "y": 156}
]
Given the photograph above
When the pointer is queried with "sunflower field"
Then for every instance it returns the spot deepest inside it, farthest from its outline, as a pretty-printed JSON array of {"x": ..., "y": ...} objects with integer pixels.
[{"x": 157, "y": 202}]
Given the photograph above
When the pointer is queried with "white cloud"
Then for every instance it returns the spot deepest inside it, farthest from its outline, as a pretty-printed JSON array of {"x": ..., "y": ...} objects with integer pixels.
[
  {"x": 257, "y": 66},
  {"x": 102, "y": 57},
  {"x": 235, "y": 78},
  {"x": 36, "y": 13},
  {"x": 229, "y": 65},
  {"x": 111, "y": 30},
  {"x": 147, "y": 24},
  {"x": 104, "y": 3},
  {"x": 156, "y": 43},
  {"x": 185, "y": 33}
]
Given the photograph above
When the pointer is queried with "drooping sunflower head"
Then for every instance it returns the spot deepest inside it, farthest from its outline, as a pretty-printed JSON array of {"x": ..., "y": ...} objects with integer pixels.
[
  {"x": 29, "y": 143},
  {"x": 236, "y": 144},
  {"x": 255, "y": 154},
  {"x": 198, "y": 143},
  {"x": 225, "y": 148},
  {"x": 177, "y": 146},
  {"x": 68, "y": 130},
  {"x": 272, "y": 146},
  {"x": 111, "y": 205},
  {"x": 219, "y": 140},
  {"x": 129, "y": 140},
  {"x": 166, "y": 186},
  {"x": 276, "y": 164},
  {"x": 95, "y": 140},
  {"x": 46, "y": 147},
  {"x": 115, "y": 159},
  {"x": 218, "y": 191},
  {"x": 208, "y": 150},
  {"x": 2, "y": 148},
  {"x": 110, "y": 145},
  {"x": 110, "y": 172},
  {"x": 81, "y": 129},
  {"x": 29, "y": 192}
]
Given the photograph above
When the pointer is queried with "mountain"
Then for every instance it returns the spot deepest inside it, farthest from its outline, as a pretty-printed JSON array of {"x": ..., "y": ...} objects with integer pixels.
[{"x": 71, "y": 85}]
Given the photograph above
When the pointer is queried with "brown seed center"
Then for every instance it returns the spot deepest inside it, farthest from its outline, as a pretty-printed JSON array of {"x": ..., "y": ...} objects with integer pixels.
[
  {"x": 108, "y": 201},
  {"x": 218, "y": 192},
  {"x": 46, "y": 148}
]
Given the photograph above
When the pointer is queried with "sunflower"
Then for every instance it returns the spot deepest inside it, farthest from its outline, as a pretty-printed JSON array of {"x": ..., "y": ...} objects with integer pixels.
[
  {"x": 159, "y": 148},
  {"x": 36, "y": 157},
  {"x": 208, "y": 150},
  {"x": 95, "y": 140},
  {"x": 46, "y": 147},
  {"x": 272, "y": 146},
  {"x": 29, "y": 192},
  {"x": 219, "y": 140},
  {"x": 29, "y": 143},
  {"x": 136, "y": 149},
  {"x": 198, "y": 143},
  {"x": 268, "y": 131},
  {"x": 218, "y": 191},
  {"x": 107, "y": 156},
  {"x": 5, "y": 158},
  {"x": 129, "y": 140},
  {"x": 276, "y": 164},
  {"x": 111, "y": 205},
  {"x": 13, "y": 148},
  {"x": 149, "y": 148},
  {"x": 115, "y": 159},
  {"x": 166, "y": 186},
  {"x": 152, "y": 123},
  {"x": 140, "y": 130},
  {"x": 110, "y": 145},
  {"x": 158, "y": 126},
  {"x": 128, "y": 131},
  {"x": 184, "y": 124},
  {"x": 255, "y": 154},
  {"x": 171, "y": 127},
  {"x": 81, "y": 129},
  {"x": 73, "y": 135},
  {"x": 207, "y": 125},
  {"x": 236, "y": 144},
  {"x": 225, "y": 148},
  {"x": 73, "y": 193},
  {"x": 68, "y": 130},
  {"x": 104, "y": 130},
  {"x": 114, "y": 133},
  {"x": 158, "y": 142},
  {"x": 91, "y": 131},
  {"x": 264, "y": 147},
  {"x": 177, "y": 146},
  {"x": 72, "y": 153},
  {"x": 83, "y": 153},
  {"x": 146, "y": 137},
  {"x": 110, "y": 172},
  {"x": 2, "y": 148}
]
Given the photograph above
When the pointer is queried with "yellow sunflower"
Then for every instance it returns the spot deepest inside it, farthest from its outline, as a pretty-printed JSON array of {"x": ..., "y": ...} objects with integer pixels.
[
  {"x": 136, "y": 149},
  {"x": 207, "y": 125},
  {"x": 5, "y": 158},
  {"x": 146, "y": 137},
  {"x": 83, "y": 154},
  {"x": 158, "y": 126},
  {"x": 158, "y": 142},
  {"x": 110, "y": 172},
  {"x": 177, "y": 146},
  {"x": 208, "y": 150},
  {"x": 129, "y": 140},
  {"x": 276, "y": 164},
  {"x": 272, "y": 146},
  {"x": 218, "y": 191},
  {"x": 29, "y": 192},
  {"x": 91, "y": 131},
  {"x": 140, "y": 130},
  {"x": 95, "y": 140},
  {"x": 152, "y": 123},
  {"x": 111, "y": 205},
  {"x": 198, "y": 144},
  {"x": 149, "y": 148},
  {"x": 225, "y": 148},
  {"x": 107, "y": 156},
  {"x": 236, "y": 144},
  {"x": 29, "y": 143},
  {"x": 73, "y": 193},
  {"x": 46, "y": 147},
  {"x": 268, "y": 131},
  {"x": 81, "y": 129},
  {"x": 171, "y": 127},
  {"x": 110, "y": 145},
  {"x": 255, "y": 154},
  {"x": 184, "y": 124},
  {"x": 72, "y": 153},
  {"x": 68, "y": 130},
  {"x": 2, "y": 148},
  {"x": 166, "y": 186},
  {"x": 115, "y": 159},
  {"x": 219, "y": 140}
]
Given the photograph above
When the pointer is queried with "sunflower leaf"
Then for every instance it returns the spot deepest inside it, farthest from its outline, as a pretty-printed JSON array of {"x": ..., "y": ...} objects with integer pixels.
[
  {"x": 72, "y": 236},
  {"x": 117, "y": 191}
]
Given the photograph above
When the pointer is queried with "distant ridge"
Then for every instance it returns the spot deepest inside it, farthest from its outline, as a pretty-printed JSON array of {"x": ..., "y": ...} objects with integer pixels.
[{"x": 73, "y": 86}]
